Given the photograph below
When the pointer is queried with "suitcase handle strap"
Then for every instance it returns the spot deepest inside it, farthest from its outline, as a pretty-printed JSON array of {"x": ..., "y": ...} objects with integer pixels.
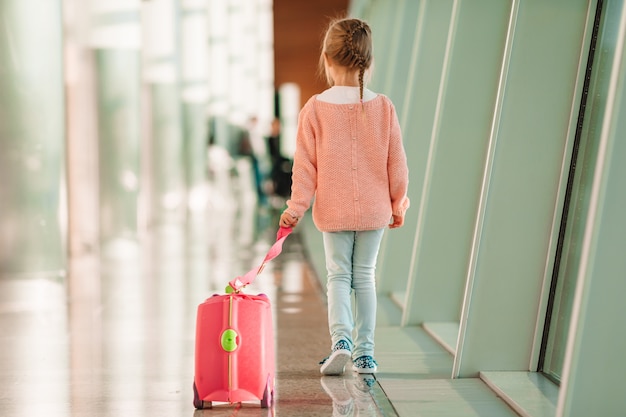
[{"x": 238, "y": 283}]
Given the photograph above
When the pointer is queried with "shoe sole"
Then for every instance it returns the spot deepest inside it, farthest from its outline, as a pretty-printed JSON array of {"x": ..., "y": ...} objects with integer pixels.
[
  {"x": 365, "y": 371},
  {"x": 336, "y": 362}
]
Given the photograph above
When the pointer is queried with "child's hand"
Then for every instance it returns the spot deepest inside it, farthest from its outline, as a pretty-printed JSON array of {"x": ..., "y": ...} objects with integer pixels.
[
  {"x": 287, "y": 220},
  {"x": 396, "y": 221}
]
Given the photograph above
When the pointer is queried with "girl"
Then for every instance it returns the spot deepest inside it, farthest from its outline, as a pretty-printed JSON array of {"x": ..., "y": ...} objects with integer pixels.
[{"x": 349, "y": 156}]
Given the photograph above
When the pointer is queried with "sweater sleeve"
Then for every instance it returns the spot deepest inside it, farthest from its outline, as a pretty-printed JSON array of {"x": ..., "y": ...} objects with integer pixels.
[
  {"x": 397, "y": 168},
  {"x": 304, "y": 171}
]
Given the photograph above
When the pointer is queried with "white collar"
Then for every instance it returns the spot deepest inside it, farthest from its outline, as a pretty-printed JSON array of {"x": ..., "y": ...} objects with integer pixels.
[{"x": 343, "y": 94}]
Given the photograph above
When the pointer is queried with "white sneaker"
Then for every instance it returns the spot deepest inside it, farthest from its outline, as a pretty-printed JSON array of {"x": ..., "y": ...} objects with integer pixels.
[
  {"x": 335, "y": 363},
  {"x": 365, "y": 365},
  {"x": 343, "y": 403}
]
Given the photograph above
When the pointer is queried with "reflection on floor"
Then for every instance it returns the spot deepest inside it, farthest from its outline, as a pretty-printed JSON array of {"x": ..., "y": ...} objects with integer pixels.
[{"x": 117, "y": 338}]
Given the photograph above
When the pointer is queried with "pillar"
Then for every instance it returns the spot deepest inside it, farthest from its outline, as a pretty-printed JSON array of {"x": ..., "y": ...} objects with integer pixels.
[
  {"x": 194, "y": 92},
  {"x": 164, "y": 146},
  {"x": 116, "y": 38},
  {"x": 32, "y": 161}
]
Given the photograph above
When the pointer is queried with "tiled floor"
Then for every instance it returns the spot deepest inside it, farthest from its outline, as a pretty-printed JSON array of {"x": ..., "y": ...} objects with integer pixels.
[{"x": 116, "y": 337}]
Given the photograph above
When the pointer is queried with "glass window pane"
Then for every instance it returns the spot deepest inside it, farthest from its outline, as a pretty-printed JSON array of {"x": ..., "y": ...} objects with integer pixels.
[{"x": 576, "y": 214}]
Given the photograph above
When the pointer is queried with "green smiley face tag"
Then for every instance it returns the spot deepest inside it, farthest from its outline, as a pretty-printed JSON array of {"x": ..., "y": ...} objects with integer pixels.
[{"x": 229, "y": 340}]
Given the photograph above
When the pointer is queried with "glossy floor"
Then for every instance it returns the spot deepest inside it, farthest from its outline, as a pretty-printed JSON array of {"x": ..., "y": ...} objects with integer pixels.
[{"x": 116, "y": 337}]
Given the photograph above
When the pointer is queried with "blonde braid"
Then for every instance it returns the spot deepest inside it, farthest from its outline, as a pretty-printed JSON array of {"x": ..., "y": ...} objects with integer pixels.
[
  {"x": 347, "y": 50},
  {"x": 358, "y": 58}
]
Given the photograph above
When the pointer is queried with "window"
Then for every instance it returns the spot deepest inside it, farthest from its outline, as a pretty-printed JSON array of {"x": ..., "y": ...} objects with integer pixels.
[{"x": 577, "y": 200}]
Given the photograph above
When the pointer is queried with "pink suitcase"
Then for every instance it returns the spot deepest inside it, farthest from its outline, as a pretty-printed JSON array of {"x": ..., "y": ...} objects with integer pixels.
[
  {"x": 234, "y": 357},
  {"x": 234, "y": 350}
]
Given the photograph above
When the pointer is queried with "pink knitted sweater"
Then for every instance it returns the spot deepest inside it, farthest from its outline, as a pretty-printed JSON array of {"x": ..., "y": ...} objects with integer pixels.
[{"x": 351, "y": 161}]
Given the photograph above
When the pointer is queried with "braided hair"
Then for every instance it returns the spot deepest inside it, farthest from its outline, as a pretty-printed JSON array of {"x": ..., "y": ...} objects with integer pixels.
[{"x": 348, "y": 42}]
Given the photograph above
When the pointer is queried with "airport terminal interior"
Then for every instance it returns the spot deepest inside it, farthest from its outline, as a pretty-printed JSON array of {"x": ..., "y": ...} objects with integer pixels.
[{"x": 127, "y": 200}]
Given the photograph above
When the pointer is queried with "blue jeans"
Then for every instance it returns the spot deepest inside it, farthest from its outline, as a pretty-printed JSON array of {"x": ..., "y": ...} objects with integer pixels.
[{"x": 351, "y": 264}]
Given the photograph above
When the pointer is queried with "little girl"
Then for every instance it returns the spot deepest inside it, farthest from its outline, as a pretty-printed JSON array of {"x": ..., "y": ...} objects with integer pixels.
[{"x": 349, "y": 156}]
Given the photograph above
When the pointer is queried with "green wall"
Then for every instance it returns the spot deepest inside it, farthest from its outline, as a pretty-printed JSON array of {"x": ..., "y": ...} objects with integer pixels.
[{"x": 489, "y": 94}]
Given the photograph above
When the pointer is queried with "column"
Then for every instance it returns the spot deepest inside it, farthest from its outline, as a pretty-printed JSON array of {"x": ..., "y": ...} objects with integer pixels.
[
  {"x": 82, "y": 136},
  {"x": 115, "y": 40},
  {"x": 32, "y": 162},
  {"x": 218, "y": 70},
  {"x": 194, "y": 92},
  {"x": 164, "y": 141}
]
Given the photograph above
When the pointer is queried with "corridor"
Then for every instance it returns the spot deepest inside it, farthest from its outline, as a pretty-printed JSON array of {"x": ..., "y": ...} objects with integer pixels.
[
  {"x": 118, "y": 339},
  {"x": 139, "y": 139}
]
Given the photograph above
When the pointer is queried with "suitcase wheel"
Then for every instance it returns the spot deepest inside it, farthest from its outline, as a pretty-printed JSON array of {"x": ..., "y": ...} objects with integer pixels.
[
  {"x": 268, "y": 396},
  {"x": 197, "y": 402}
]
